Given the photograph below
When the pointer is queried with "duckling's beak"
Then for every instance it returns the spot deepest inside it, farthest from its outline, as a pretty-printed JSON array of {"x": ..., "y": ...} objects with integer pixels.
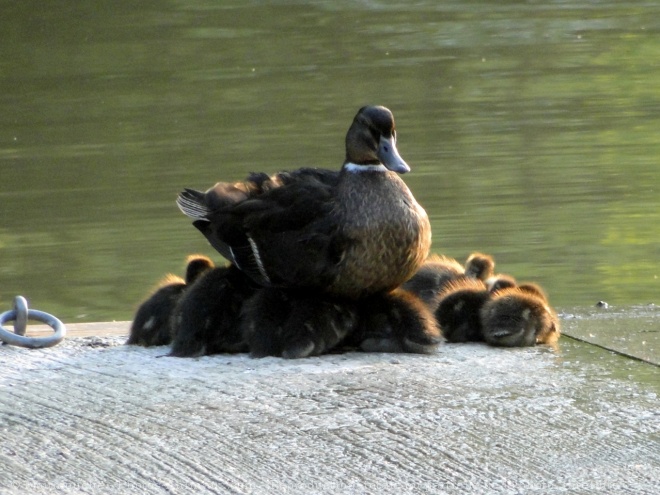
[{"x": 389, "y": 156}]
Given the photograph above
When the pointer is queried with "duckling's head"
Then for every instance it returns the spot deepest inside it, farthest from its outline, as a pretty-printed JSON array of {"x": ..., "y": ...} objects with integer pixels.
[
  {"x": 500, "y": 281},
  {"x": 458, "y": 310},
  {"x": 197, "y": 264},
  {"x": 371, "y": 142},
  {"x": 479, "y": 265},
  {"x": 518, "y": 317}
]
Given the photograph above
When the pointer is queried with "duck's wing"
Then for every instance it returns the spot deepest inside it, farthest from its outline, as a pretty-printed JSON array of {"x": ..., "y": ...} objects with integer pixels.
[
  {"x": 199, "y": 205},
  {"x": 195, "y": 204},
  {"x": 202, "y": 206},
  {"x": 282, "y": 232}
]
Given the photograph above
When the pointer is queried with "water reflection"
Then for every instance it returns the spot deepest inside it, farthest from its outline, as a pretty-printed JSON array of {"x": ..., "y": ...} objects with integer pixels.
[{"x": 530, "y": 126}]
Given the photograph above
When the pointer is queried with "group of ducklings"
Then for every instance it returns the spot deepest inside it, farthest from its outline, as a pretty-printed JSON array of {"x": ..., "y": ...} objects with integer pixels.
[
  {"x": 473, "y": 304},
  {"x": 221, "y": 310},
  {"x": 323, "y": 260}
]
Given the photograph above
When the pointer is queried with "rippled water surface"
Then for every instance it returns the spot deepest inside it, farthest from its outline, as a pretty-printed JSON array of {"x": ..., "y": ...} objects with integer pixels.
[{"x": 533, "y": 131}]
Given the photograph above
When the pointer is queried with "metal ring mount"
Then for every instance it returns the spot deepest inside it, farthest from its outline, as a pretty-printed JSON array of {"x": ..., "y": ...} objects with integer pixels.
[{"x": 20, "y": 316}]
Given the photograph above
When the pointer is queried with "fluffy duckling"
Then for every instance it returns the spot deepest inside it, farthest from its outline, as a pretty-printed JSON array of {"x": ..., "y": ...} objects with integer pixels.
[
  {"x": 480, "y": 266},
  {"x": 431, "y": 278},
  {"x": 458, "y": 311},
  {"x": 534, "y": 289},
  {"x": 296, "y": 324},
  {"x": 500, "y": 281},
  {"x": 397, "y": 321},
  {"x": 518, "y": 317},
  {"x": 439, "y": 270},
  {"x": 352, "y": 233},
  {"x": 206, "y": 319},
  {"x": 151, "y": 325}
]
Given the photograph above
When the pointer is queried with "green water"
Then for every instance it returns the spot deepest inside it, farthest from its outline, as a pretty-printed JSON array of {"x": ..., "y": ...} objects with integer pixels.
[{"x": 533, "y": 131}]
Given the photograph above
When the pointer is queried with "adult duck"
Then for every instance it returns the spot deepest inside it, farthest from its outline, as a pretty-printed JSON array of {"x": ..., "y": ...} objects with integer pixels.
[{"x": 350, "y": 233}]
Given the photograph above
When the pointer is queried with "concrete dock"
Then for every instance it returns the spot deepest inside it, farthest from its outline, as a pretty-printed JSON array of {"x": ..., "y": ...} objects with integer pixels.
[{"x": 92, "y": 416}]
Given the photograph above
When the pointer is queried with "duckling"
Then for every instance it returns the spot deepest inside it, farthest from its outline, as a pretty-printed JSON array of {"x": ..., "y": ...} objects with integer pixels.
[
  {"x": 353, "y": 233},
  {"x": 535, "y": 290},
  {"x": 438, "y": 270},
  {"x": 458, "y": 310},
  {"x": 397, "y": 321},
  {"x": 196, "y": 266},
  {"x": 480, "y": 266},
  {"x": 518, "y": 317},
  {"x": 500, "y": 281},
  {"x": 151, "y": 324},
  {"x": 207, "y": 318},
  {"x": 296, "y": 324},
  {"x": 432, "y": 277}
]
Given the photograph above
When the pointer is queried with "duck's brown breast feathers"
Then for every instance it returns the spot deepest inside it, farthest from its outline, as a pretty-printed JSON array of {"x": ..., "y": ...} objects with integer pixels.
[{"x": 388, "y": 234}]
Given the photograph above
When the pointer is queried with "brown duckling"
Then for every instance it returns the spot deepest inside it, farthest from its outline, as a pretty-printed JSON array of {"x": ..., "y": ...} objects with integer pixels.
[
  {"x": 432, "y": 277},
  {"x": 480, "y": 266},
  {"x": 535, "y": 290},
  {"x": 398, "y": 321},
  {"x": 296, "y": 324},
  {"x": 151, "y": 325},
  {"x": 518, "y": 317},
  {"x": 207, "y": 318},
  {"x": 458, "y": 310},
  {"x": 500, "y": 281},
  {"x": 352, "y": 233},
  {"x": 438, "y": 270}
]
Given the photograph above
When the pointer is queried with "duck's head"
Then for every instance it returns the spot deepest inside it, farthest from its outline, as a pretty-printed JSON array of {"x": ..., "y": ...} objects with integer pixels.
[{"x": 371, "y": 141}]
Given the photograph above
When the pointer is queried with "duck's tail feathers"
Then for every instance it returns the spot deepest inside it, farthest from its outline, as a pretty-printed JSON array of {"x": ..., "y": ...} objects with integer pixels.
[{"x": 192, "y": 204}]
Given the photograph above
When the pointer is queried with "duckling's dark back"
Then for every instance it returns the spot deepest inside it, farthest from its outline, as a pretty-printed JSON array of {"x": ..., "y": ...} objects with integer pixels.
[{"x": 432, "y": 277}]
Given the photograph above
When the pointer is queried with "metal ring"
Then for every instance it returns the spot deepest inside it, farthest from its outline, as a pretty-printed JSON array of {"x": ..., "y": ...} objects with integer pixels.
[
  {"x": 19, "y": 315},
  {"x": 21, "y": 308}
]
